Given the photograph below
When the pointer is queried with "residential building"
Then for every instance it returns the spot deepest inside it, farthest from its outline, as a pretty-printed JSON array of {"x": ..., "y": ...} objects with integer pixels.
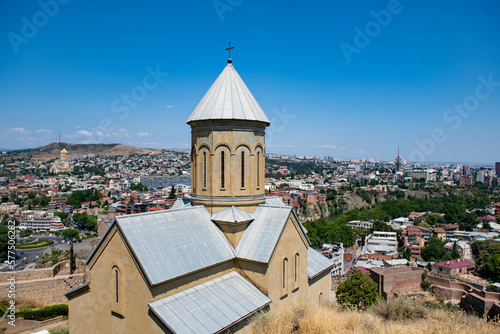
[
  {"x": 449, "y": 269},
  {"x": 463, "y": 249},
  {"x": 335, "y": 252},
  {"x": 381, "y": 243},
  {"x": 40, "y": 220},
  {"x": 360, "y": 223}
]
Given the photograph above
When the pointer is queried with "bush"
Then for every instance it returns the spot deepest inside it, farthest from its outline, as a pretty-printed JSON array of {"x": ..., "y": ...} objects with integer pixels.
[
  {"x": 45, "y": 313},
  {"x": 440, "y": 305},
  {"x": 358, "y": 291},
  {"x": 4, "y": 303},
  {"x": 397, "y": 309},
  {"x": 425, "y": 285}
]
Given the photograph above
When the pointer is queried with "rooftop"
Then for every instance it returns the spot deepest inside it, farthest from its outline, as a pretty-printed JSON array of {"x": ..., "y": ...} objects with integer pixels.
[{"x": 228, "y": 99}]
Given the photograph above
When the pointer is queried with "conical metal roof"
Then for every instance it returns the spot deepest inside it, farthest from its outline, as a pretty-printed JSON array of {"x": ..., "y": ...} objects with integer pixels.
[
  {"x": 232, "y": 215},
  {"x": 228, "y": 98}
]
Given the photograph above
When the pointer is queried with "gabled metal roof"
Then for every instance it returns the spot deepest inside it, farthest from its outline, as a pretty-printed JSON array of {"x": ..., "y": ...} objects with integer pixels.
[
  {"x": 261, "y": 237},
  {"x": 228, "y": 98},
  {"x": 181, "y": 202},
  {"x": 210, "y": 307},
  {"x": 316, "y": 263},
  {"x": 274, "y": 201},
  {"x": 232, "y": 215},
  {"x": 170, "y": 243}
]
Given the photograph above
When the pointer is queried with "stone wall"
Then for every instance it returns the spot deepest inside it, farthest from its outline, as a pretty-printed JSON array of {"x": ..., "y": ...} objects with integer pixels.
[
  {"x": 393, "y": 281},
  {"x": 481, "y": 303},
  {"x": 42, "y": 285},
  {"x": 46, "y": 290}
]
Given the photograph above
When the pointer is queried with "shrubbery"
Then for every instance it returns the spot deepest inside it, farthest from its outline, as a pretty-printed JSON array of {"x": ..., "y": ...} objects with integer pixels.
[
  {"x": 397, "y": 309},
  {"x": 45, "y": 313}
]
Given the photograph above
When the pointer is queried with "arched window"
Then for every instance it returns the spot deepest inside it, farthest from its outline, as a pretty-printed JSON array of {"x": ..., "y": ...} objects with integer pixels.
[
  {"x": 296, "y": 271},
  {"x": 204, "y": 169},
  {"x": 285, "y": 269},
  {"x": 193, "y": 168},
  {"x": 243, "y": 169},
  {"x": 116, "y": 279},
  {"x": 222, "y": 169},
  {"x": 258, "y": 169}
]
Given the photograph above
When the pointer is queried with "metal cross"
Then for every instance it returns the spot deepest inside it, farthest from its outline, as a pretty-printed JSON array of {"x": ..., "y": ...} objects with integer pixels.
[{"x": 229, "y": 49}]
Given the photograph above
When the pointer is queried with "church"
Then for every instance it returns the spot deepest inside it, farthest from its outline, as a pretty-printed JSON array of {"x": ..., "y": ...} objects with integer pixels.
[
  {"x": 209, "y": 263},
  {"x": 61, "y": 165}
]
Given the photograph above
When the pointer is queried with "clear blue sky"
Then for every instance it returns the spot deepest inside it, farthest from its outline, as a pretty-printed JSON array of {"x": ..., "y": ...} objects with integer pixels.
[{"x": 393, "y": 88}]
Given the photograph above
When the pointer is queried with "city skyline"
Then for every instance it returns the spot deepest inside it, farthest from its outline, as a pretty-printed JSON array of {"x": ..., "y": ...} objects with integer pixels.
[{"x": 344, "y": 80}]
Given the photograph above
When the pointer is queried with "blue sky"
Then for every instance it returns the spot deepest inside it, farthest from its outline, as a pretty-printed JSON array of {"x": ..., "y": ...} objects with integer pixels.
[{"x": 352, "y": 79}]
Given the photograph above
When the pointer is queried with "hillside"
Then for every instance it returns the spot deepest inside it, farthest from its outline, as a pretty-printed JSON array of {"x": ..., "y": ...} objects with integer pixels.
[
  {"x": 327, "y": 318},
  {"x": 53, "y": 150}
]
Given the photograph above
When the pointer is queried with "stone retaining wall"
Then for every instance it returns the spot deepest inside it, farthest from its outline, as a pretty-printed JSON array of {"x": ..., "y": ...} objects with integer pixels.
[
  {"x": 42, "y": 285},
  {"x": 481, "y": 303}
]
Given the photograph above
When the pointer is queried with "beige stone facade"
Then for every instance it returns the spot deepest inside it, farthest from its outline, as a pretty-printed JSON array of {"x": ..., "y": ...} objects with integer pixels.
[{"x": 228, "y": 164}]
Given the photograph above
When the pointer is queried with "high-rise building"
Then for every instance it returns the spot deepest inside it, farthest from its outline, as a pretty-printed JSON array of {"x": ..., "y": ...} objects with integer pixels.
[
  {"x": 497, "y": 168},
  {"x": 397, "y": 162}
]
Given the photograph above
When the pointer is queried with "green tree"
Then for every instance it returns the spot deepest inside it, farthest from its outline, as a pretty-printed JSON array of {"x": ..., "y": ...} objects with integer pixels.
[
  {"x": 435, "y": 219},
  {"x": 25, "y": 233},
  {"x": 172, "y": 193},
  {"x": 77, "y": 197},
  {"x": 4, "y": 239},
  {"x": 138, "y": 187},
  {"x": 85, "y": 221},
  {"x": 381, "y": 227},
  {"x": 70, "y": 233},
  {"x": 63, "y": 215},
  {"x": 454, "y": 253},
  {"x": 407, "y": 254},
  {"x": 486, "y": 225},
  {"x": 358, "y": 291},
  {"x": 434, "y": 250}
]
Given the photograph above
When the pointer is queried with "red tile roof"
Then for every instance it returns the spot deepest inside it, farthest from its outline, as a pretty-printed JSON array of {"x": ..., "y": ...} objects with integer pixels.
[{"x": 459, "y": 263}]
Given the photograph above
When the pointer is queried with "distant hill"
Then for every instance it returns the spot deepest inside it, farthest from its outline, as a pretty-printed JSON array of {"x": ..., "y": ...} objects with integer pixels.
[{"x": 53, "y": 150}]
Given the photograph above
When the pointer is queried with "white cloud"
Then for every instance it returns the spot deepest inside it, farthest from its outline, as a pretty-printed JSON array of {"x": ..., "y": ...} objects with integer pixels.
[
  {"x": 120, "y": 133},
  {"x": 342, "y": 148},
  {"x": 18, "y": 130},
  {"x": 280, "y": 146},
  {"x": 324, "y": 146},
  {"x": 84, "y": 133},
  {"x": 168, "y": 107},
  {"x": 44, "y": 131},
  {"x": 144, "y": 134},
  {"x": 360, "y": 152},
  {"x": 78, "y": 127}
]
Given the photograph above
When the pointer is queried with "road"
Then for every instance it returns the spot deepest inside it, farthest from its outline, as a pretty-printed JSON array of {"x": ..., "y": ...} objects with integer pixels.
[{"x": 30, "y": 255}]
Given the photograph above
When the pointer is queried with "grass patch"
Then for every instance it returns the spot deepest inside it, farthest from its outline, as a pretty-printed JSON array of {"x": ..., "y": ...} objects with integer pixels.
[
  {"x": 59, "y": 331},
  {"x": 37, "y": 244},
  {"x": 398, "y": 309},
  {"x": 4, "y": 303},
  {"x": 393, "y": 317}
]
